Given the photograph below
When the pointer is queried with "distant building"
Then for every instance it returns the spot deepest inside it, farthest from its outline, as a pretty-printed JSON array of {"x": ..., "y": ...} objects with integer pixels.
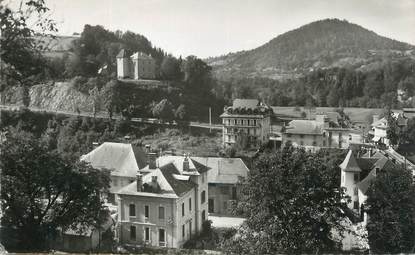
[
  {"x": 408, "y": 113},
  {"x": 224, "y": 178},
  {"x": 319, "y": 133},
  {"x": 166, "y": 205},
  {"x": 380, "y": 127},
  {"x": 136, "y": 66},
  {"x": 247, "y": 123}
]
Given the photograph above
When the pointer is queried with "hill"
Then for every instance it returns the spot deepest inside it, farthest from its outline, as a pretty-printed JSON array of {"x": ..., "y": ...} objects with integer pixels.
[{"x": 322, "y": 44}]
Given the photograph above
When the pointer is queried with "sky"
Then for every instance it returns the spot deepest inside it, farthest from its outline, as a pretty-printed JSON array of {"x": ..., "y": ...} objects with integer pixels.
[{"x": 215, "y": 27}]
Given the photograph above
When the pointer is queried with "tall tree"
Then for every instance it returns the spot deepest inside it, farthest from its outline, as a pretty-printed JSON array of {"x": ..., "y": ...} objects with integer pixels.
[
  {"x": 391, "y": 209},
  {"x": 292, "y": 204},
  {"x": 23, "y": 30},
  {"x": 43, "y": 192}
]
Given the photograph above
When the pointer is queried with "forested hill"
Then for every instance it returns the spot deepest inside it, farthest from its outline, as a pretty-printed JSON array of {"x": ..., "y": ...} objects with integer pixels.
[{"x": 321, "y": 44}]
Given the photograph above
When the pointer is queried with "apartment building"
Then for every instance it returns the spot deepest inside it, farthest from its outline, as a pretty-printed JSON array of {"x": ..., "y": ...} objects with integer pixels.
[
  {"x": 247, "y": 123},
  {"x": 166, "y": 204}
]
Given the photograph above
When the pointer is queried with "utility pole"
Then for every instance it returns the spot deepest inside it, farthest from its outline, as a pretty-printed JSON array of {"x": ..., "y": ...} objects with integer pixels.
[{"x": 210, "y": 119}]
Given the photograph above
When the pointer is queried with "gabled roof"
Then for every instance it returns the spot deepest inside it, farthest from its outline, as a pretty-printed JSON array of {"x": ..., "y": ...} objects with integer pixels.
[
  {"x": 179, "y": 187},
  {"x": 170, "y": 186},
  {"x": 383, "y": 164},
  {"x": 120, "y": 158},
  {"x": 349, "y": 164},
  {"x": 224, "y": 170},
  {"x": 195, "y": 167},
  {"x": 306, "y": 127}
]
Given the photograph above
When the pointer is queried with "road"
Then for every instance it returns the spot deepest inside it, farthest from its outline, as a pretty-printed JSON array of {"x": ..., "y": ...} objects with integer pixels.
[{"x": 102, "y": 115}]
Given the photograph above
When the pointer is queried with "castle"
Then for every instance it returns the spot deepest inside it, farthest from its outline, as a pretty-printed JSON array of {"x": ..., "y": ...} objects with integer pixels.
[{"x": 136, "y": 66}]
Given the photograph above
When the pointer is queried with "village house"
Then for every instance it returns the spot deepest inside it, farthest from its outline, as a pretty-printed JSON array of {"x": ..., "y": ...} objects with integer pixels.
[
  {"x": 380, "y": 127},
  {"x": 247, "y": 123},
  {"x": 357, "y": 172},
  {"x": 319, "y": 133},
  {"x": 123, "y": 160},
  {"x": 136, "y": 66},
  {"x": 224, "y": 179},
  {"x": 166, "y": 204}
]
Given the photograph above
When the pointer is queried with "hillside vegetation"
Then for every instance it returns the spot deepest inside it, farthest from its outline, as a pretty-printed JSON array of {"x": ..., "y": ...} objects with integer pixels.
[{"x": 320, "y": 44}]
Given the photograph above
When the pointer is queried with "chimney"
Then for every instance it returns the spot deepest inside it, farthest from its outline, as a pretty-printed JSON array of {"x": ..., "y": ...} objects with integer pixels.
[
  {"x": 147, "y": 148},
  {"x": 185, "y": 163},
  {"x": 95, "y": 145},
  {"x": 152, "y": 160},
  {"x": 375, "y": 118},
  {"x": 139, "y": 182}
]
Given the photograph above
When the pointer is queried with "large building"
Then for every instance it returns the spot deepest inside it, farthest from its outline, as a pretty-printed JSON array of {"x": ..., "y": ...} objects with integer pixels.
[
  {"x": 247, "y": 123},
  {"x": 166, "y": 204},
  {"x": 136, "y": 66},
  {"x": 320, "y": 133}
]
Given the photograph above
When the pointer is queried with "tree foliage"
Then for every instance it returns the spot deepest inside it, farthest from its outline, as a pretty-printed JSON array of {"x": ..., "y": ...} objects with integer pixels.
[
  {"x": 391, "y": 209},
  {"x": 293, "y": 202},
  {"x": 43, "y": 192},
  {"x": 163, "y": 110}
]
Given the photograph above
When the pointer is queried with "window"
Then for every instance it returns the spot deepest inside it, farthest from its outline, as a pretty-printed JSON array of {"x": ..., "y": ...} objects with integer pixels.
[
  {"x": 288, "y": 135},
  {"x": 132, "y": 210},
  {"x": 133, "y": 232},
  {"x": 183, "y": 229},
  {"x": 203, "y": 215},
  {"x": 350, "y": 137},
  {"x": 314, "y": 143},
  {"x": 234, "y": 121},
  {"x": 203, "y": 197},
  {"x": 301, "y": 143},
  {"x": 146, "y": 211},
  {"x": 182, "y": 209},
  {"x": 356, "y": 205},
  {"x": 162, "y": 237},
  {"x": 234, "y": 193},
  {"x": 115, "y": 181},
  {"x": 224, "y": 190},
  {"x": 301, "y": 136},
  {"x": 356, "y": 177},
  {"x": 161, "y": 213},
  {"x": 355, "y": 191},
  {"x": 254, "y": 122},
  {"x": 147, "y": 234},
  {"x": 190, "y": 204}
]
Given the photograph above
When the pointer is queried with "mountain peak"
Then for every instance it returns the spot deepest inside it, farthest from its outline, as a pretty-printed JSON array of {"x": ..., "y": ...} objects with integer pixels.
[{"x": 319, "y": 44}]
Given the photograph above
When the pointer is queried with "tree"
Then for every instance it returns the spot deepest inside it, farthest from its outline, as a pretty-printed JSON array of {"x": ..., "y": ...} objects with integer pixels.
[
  {"x": 393, "y": 133},
  {"x": 390, "y": 206},
  {"x": 170, "y": 69},
  {"x": 111, "y": 97},
  {"x": 197, "y": 75},
  {"x": 21, "y": 45},
  {"x": 163, "y": 110},
  {"x": 292, "y": 204},
  {"x": 43, "y": 192}
]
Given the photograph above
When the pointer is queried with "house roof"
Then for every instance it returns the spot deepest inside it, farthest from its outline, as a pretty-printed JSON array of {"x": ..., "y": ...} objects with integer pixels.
[
  {"x": 349, "y": 164},
  {"x": 307, "y": 127},
  {"x": 120, "y": 158},
  {"x": 195, "y": 167},
  {"x": 383, "y": 164},
  {"x": 245, "y": 103},
  {"x": 140, "y": 55},
  {"x": 224, "y": 170},
  {"x": 167, "y": 180}
]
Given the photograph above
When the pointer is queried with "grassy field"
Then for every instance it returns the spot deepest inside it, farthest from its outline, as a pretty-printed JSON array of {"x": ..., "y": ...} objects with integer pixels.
[
  {"x": 359, "y": 115},
  {"x": 179, "y": 141}
]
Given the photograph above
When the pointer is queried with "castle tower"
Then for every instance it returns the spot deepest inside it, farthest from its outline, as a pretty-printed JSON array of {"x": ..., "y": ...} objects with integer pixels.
[
  {"x": 350, "y": 176},
  {"x": 123, "y": 65}
]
